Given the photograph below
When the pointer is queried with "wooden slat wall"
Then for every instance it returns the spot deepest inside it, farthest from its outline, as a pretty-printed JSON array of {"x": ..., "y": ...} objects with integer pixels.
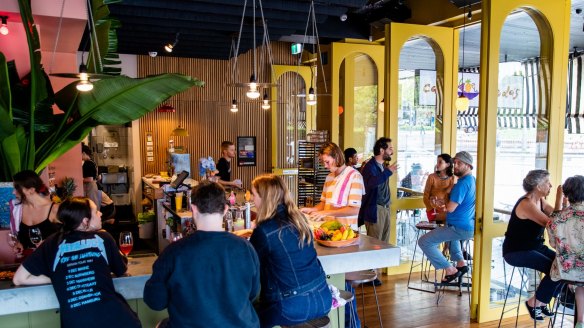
[{"x": 204, "y": 112}]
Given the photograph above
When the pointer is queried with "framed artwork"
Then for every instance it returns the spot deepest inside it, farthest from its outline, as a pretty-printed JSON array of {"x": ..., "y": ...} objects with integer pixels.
[{"x": 246, "y": 151}]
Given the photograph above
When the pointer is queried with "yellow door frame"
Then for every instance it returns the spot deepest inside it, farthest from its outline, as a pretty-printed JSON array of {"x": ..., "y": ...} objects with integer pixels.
[
  {"x": 553, "y": 21},
  {"x": 339, "y": 52},
  {"x": 444, "y": 42},
  {"x": 305, "y": 74}
]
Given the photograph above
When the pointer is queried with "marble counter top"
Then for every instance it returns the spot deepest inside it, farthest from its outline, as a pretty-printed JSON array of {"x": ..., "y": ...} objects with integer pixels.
[
  {"x": 370, "y": 253},
  {"x": 42, "y": 297}
]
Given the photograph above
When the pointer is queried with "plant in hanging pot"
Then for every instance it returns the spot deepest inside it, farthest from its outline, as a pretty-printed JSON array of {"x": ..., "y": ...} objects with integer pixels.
[{"x": 31, "y": 137}]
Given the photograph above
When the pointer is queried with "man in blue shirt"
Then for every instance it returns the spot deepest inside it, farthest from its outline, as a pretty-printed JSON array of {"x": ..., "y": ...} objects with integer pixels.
[
  {"x": 209, "y": 278},
  {"x": 460, "y": 218}
]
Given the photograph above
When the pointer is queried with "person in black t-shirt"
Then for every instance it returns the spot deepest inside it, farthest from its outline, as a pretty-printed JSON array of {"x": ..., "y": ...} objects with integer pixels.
[
  {"x": 209, "y": 278},
  {"x": 89, "y": 168},
  {"x": 79, "y": 261},
  {"x": 224, "y": 165}
]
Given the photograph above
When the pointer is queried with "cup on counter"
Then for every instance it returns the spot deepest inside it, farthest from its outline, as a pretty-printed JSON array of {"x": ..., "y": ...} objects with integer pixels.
[{"x": 178, "y": 197}]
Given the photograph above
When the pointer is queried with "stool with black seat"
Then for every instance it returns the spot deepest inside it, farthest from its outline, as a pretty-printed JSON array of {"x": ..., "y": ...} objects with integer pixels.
[
  {"x": 523, "y": 285},
  {"x": 322, "y": 322},
  {"x": 566, "y": 302},
  {"x": 423, "y": 227},
  {"x": 360, "y": 278},
  {"x": 460, "y": 281}
]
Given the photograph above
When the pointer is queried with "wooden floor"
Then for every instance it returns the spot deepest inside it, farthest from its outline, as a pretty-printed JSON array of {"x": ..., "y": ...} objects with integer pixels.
[{"x": 404, "y": 308}]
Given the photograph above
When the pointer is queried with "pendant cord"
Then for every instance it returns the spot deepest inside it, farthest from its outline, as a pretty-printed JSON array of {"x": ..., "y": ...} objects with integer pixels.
[{"x": 58, "y": 36}]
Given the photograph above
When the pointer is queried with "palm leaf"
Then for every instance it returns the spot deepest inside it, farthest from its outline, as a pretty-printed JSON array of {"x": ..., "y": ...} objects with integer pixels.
[{"x": 6, "y": 126}]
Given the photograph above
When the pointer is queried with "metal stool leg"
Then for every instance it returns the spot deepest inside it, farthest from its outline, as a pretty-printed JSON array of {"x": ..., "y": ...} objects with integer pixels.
[
  {"x": 378, "y": 310},
  {"x": 363, "y": 303},
  {"x": 506, "y": 295}
]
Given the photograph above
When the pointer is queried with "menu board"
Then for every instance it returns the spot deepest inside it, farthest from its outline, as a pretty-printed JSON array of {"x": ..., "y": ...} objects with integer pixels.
[{"x": 246, "y": 151}]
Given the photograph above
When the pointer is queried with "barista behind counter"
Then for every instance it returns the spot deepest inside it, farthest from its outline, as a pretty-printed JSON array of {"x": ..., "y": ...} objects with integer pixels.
[{"x": 224, "y": 165}]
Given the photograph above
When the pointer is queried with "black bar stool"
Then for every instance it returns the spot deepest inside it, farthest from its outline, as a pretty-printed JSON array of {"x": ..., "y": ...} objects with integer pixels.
[
  {"x": 565, "y": 302},
  {"x": 466, "y": 248},
  {"x": 523, "y": 285},
  {"x": 359, "y": 278}
]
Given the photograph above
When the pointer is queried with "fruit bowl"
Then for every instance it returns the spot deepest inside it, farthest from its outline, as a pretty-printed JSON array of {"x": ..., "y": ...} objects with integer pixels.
[{"x": 339, "y": 243}]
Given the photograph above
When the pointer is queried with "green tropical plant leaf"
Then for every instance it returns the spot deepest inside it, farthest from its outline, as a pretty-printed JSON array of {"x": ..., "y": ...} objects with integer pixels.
[{"x": 6, "y": 126}]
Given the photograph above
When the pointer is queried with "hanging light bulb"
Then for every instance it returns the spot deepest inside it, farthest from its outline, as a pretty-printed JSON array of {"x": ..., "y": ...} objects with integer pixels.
[
  {"x": 266, "y": 102},
  {"x": 170, "y": 46},
  {"x": 234, "y": 108},
  {"x": 84, "y": 84},
  {"x": 253, "y": 92},
  {"x": 311, "y": 97},
  {"x": 381, "y": 106},
  {"x": 461, "y": 103},
  {"x": 4, "y": 28}
]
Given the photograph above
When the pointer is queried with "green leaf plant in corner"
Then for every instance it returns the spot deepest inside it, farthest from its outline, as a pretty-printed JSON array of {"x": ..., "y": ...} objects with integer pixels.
[{"x": 31, "y": 137}]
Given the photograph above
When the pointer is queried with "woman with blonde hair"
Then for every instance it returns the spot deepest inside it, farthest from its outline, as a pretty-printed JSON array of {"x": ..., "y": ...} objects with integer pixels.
[{"x": 293, "y": 283}]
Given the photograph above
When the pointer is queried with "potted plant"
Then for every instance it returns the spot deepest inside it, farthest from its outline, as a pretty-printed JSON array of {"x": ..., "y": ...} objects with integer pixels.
[
  {"x": 31, "y": 137},
  {"x": 146, "y": 224}
]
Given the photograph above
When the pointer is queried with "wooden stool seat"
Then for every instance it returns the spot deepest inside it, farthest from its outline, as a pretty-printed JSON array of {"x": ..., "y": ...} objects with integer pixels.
[
  {"x": 360, "y": 277},
  {"x": 322, "y": 322}
]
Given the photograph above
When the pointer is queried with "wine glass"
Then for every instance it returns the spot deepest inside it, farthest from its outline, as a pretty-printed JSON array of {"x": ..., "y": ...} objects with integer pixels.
[
  {"x": 12, "y": 242},
  {"x": 36, "y": 237},
  {"x": 126, "y": 242}
]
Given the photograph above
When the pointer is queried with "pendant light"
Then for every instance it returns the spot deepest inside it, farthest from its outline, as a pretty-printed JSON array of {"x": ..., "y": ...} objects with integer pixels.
[
  {"x": 266, "y": 101},
  {"x": 84, "y": 84},
  {"x": 253, "y": 86},
  {"x": 312, "y": 95},
  {"x": 4, "y": 28},
  {"x": 462, "y": 101},
  {"x": 234, "y": 108}
]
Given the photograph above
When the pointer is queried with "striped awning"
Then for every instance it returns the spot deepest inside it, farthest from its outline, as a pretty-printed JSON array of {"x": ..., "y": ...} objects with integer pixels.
[{"x": 575, "y": 101}]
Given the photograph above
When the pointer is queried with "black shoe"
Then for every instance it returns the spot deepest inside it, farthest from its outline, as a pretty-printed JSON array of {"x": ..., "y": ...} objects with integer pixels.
[
  {"x": 451, "y": 277},
  {"x": 545, "y": 311},
  {"x": 535, "y": 313},
  {"x": 375, "y": 283}
]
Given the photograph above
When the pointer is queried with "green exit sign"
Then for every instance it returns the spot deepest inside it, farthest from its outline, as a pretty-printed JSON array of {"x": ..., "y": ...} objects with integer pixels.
[{"x": 296, "y": 48}]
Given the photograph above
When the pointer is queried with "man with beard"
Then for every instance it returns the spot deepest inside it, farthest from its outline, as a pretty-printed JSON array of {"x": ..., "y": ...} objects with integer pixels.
[
  {"x": 460, "y": 216},
  {"x": 374, "y": 212}
]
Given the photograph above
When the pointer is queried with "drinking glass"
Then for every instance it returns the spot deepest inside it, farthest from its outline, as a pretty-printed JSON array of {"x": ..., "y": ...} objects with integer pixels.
[
  {"x": 178, "y": 201},
  {"x": 35, "y": 235},
  {"x": 228, "y": 221},
  {"x": 126, "y": 242},
  {"x": 175, "y": 236},
  {"x": 12, "y": 240}
]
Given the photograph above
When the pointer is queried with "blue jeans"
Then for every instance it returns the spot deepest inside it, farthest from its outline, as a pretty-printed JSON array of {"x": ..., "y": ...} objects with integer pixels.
[
  {"x": 429, "y": 244},
  {"x": 539, "y": 259}
]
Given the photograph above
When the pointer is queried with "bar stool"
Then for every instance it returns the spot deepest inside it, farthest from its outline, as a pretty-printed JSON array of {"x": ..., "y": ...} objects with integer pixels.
[
  {"x": 524, "y": 284},
  {"x": 565, "y": 302},
  {"x": 348, "y": 297},
  {"x": 441, "y": 286},
  {"x": 359, "y": 278},
  {"x": 425, "y": 265},
  {"x": 322, "y": 322}
]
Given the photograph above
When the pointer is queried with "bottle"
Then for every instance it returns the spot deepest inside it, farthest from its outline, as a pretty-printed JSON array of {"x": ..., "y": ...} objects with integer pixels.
[{"x": 247, "y": 224}]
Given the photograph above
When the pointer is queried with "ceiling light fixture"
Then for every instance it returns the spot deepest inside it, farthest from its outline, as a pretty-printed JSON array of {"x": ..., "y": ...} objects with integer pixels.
[
  {"x": 462, "y": 101},
  {"x": 266, "y": 101},
  {"x": 170, "y": 46},
  {"x": 84, "y": 77},
  {"x": 4, "y": 28},
  {"x": 312, "y": 95},
  {"x": 84, "y": 84},
  {"x": 254, "y": 87},
  {"x": 234, "y": 108}
]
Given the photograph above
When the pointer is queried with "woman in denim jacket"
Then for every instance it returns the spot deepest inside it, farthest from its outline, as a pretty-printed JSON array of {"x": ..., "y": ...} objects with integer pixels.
[{"x": 293, "y": 283}]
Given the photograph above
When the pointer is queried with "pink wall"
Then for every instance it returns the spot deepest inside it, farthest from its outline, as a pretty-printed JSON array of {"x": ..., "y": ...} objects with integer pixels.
[{"x": 14, "y": 46}]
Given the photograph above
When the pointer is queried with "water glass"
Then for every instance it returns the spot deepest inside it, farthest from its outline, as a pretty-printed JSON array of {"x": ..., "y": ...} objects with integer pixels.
[
  {"x": 175, "y": 236},
  {"x": 228, "y": 221}
]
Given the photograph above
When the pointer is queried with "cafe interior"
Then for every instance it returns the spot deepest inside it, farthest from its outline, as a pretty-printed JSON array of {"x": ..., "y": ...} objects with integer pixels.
[{"x": 500, "y": 79}]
